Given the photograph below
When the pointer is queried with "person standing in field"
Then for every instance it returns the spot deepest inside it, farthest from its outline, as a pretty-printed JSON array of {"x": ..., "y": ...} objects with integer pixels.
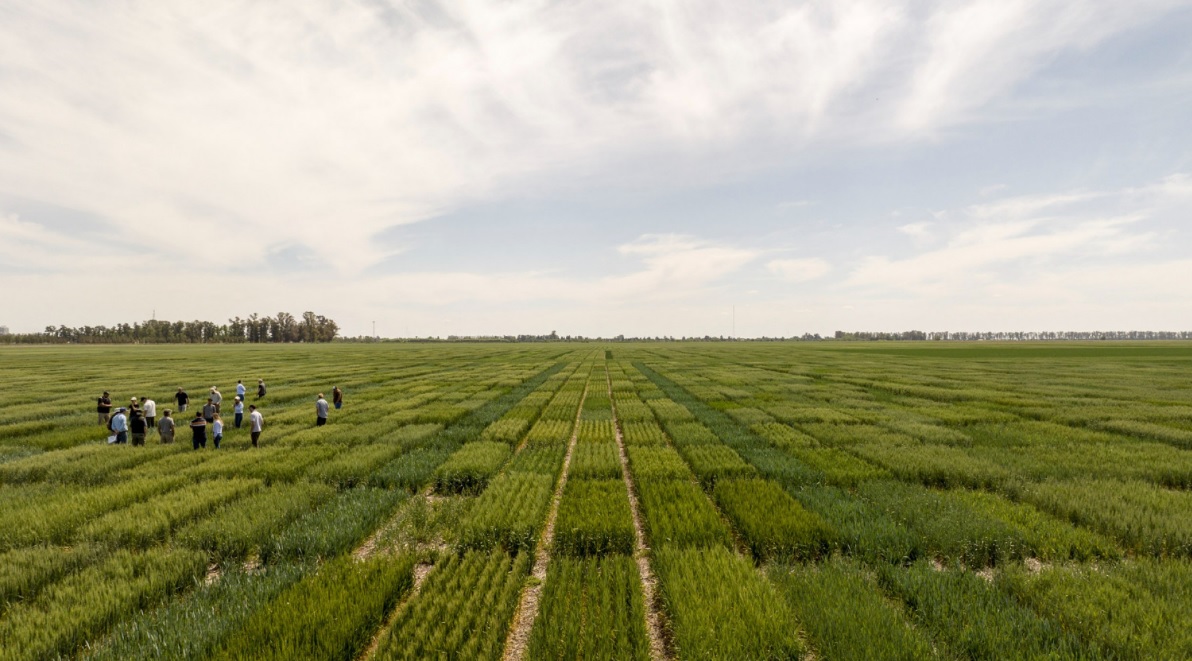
[
  {"x": 337, "y": 397},
  {"x": 209, "y": 410},
  {"x": 136, "y": 422},
  {"x": 260, "y": 388},
  {"x": 320, "y": 411},
  {"x": 240, "y": 390},
  {"x": 165, "y": 428},
  {"x": 133, "y": 405},
  {"x": 182, "y": 398},
  {"x": 103, "y": 406},
  {"x": 198, "y": 431},
  {"x": 256, "y": 422},
  {"x": 150, "y": 408},
  {"x": 216, "y": 398},
  {"x": 238, "y": 409},
  {"x": 217, "y": 431},
  {"x": 119, "y": 426}
]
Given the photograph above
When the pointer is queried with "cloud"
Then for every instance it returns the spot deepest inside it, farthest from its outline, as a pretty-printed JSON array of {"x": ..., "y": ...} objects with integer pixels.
[
  {"x": 312, "y": 130},
  {"x": 799, "y": 270},
  {"x": 1027, "y": 239}
]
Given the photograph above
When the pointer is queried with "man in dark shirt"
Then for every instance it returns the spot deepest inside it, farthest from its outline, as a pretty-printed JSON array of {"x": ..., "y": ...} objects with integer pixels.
[
  {"x": 182, "y": 398},
  {"x": 198, "y": 428},
  {"x": 137, "y": 425},
  {"x": 103, "y": 406}
]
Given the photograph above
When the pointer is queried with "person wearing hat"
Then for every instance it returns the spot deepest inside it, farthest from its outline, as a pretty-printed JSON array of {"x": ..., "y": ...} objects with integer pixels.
[
  {"x": 103, "y": 406},
  {"x": 119, "y": 425},
  {"x": 260, "y": 388},
  {"x": 136, "y": 423},
  {"x": 238, "y": 409},
  {"x": 216, "y": 398}
]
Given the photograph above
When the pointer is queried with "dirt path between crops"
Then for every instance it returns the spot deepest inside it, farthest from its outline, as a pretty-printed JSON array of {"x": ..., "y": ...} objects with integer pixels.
[
  {"x": 659, "y": 645},
  {"x": 518, "y": 641}
]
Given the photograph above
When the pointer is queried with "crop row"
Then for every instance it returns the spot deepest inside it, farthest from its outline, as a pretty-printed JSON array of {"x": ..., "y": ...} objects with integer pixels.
[
  {"x": 591, "y": 608},
  {"x": 68, "y": 613},
  {"x": 462, "y": 612}
]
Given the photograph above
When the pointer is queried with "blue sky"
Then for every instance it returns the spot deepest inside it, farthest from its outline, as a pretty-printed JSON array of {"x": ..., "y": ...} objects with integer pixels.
[{"x": 599, "y": 168}]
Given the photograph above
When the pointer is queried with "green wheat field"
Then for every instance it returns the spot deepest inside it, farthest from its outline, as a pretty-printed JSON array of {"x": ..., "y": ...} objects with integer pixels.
[{"x": 606, "y": 501}]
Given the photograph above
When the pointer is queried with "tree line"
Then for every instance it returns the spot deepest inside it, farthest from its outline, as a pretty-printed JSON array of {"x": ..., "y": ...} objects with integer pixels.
[
  {"x": 1015, "y": 336},
  {"x": 285, "y": 327}
]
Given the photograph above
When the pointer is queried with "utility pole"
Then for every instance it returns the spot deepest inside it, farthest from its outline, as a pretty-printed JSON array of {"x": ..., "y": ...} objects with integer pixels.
[
  {"x": 374, "y": 330},
  {"x": 734, "y": 322}
]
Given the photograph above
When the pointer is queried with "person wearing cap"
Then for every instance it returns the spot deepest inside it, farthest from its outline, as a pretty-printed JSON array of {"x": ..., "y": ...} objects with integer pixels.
[
  {"x": 150, "y": 409},
  {"x": 165, "y": 428},
  {"x": 238, "y": 409},
  {"x": 320, "y": 411},
  {"x": 119, "y": 425},
  {"x": 103, "y": 406},
  {"x": 260, "y": 388},
  {"x": 337, "y": 398},
  {"x": 240, "y": 389},
  {"x": 216, "y": 398},
  {"x": 198, "y": 431},
  {"x": 136, "y": 423},
  {"x": 182, "y": 398},
  {"x": 133, "y": 404},
  {"x": 256, "y": 422}
]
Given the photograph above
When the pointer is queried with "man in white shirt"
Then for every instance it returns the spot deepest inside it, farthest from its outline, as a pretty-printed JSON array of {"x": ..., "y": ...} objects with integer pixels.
[
  {"x": 256, "y": 422},
  {"x": 149, "y": 409},
  {"x": 321, "y": 408},
  {"x": 240, "y": 390},
  {"x": 216, "y": 398}
]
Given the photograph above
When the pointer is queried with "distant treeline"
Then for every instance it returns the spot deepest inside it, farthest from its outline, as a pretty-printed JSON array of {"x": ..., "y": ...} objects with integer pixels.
[
  {"x": 1016, "y": 336},
  {"x": 285, "y": 327}
]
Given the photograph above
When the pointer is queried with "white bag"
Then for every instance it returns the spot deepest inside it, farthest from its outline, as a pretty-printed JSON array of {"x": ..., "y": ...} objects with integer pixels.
[{"x": 111, "y": 439}]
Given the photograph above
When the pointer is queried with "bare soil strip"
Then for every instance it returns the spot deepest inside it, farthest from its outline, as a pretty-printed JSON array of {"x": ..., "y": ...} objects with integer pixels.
[
  {"x": 518, "y": 641},
  {"x": 659, "y": 647},
  {"x": 420, "y": 573},
  {"x": 369, "y": 547}
]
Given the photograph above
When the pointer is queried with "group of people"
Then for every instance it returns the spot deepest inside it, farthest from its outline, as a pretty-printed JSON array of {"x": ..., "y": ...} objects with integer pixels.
[{"x": 139, "y": 418}]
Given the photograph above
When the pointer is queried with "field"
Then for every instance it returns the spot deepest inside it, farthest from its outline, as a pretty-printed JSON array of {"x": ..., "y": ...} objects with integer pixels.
[{"x": 606, "y": 501}]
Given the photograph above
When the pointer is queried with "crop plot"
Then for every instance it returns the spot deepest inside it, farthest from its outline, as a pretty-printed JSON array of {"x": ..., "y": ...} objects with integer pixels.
[{"x": 676, "y": 501}]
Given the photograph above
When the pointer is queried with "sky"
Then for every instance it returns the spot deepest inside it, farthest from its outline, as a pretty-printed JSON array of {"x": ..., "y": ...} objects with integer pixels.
[{"x": 645, "y": 167}]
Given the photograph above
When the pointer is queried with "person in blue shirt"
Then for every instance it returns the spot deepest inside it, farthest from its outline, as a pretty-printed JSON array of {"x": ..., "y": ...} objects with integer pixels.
[{"x": 119, "y": 425}]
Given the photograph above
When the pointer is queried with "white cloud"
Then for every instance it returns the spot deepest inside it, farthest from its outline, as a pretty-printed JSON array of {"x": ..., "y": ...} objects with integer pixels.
[
  {"x": 317, "y": 127},
  {"x": 799, "y": 270},
  {"x": 920, "y": 230}
]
